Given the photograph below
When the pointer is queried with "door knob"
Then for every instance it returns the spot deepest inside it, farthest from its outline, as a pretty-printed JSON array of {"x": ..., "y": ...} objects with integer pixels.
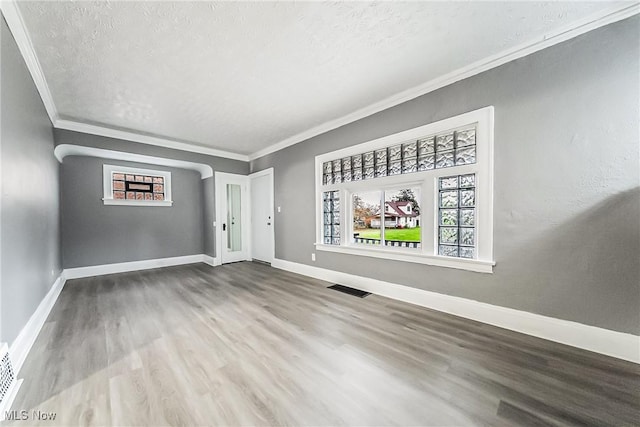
[{"x": 268, "y": 223}]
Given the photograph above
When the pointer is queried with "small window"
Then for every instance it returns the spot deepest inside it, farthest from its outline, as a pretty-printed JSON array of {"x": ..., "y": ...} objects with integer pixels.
[
  {"x": 402, "y": 218},
  {"x": 366, "y": 218},
  {"x": 331, "y": 222},
  {"x": 136, "y": 187},
  {"x": 456, "y": 215}
]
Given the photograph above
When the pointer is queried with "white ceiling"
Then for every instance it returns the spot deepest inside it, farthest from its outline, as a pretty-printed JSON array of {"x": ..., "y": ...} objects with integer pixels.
[{"x": 243, "y": 76}]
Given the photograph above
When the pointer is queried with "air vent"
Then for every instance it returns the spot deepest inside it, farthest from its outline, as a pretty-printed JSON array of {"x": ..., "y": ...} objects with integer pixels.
[
  {"x": 8, "y": 384},
  {"x": 351, "y": 291}
]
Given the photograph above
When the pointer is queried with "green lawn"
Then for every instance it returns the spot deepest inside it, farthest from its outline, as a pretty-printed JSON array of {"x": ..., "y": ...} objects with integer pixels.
[{"x": 404, "y": 234}]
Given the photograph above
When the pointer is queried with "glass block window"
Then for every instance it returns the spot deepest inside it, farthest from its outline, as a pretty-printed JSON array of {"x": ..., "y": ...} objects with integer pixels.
[
  {"x": 356, "y": 167},
  {"x": 331, "y": 217},
  {"x": 132, "y": 186},
  {"x": 456, "y": 216},
  {"x": 346, "y": 169},
  {"x": 423, "y": 195},
  {"x": 137, "y": 187},
  {"x": 445, "y": 150}
]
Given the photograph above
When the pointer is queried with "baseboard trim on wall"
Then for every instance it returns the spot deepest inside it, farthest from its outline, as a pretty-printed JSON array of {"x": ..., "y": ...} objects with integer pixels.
[
  {"x": 604, "y": 341},
  {"x": 213, "y": 262},
  {"x": 123, "y": 267},
  {"x": 21, "y": 346}
]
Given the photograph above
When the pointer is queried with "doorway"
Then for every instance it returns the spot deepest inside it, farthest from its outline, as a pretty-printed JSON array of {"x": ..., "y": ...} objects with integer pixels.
[
  {"x": 262, "y": 224},
  {"x": 232, "y": 217}
]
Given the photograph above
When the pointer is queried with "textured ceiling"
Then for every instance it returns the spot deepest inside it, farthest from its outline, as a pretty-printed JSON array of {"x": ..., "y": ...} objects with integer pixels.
[{"x": 242, "y": 76}]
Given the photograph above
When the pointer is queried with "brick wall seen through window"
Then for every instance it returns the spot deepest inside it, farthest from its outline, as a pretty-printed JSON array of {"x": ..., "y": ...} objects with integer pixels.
[{"x": 138, "y": 187}]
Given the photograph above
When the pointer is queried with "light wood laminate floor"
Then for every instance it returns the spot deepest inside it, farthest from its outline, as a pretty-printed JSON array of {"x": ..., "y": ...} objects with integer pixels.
[{"x": 246, "y": 344}]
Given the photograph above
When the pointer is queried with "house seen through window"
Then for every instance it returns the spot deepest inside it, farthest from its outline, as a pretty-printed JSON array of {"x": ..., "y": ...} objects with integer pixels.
[{"x": 397, "y": 224}]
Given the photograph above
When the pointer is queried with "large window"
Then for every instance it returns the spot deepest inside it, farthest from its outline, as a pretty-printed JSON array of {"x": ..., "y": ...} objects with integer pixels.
[
  {"x": 423, "y": 195},
  {"x": 138, "y": 187}
]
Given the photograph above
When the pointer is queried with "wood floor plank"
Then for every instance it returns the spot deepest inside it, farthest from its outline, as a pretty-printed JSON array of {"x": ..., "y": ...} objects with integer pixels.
[{"x": 246, "y": 344}]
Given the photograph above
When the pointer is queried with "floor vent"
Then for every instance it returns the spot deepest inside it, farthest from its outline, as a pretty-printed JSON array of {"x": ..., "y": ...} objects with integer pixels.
[
  {"x": 351, "y": 291},
  {"x": 7, "y": 376}
]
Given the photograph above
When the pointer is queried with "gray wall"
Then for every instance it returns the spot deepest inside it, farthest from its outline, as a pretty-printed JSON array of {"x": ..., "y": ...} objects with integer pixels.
[
  {"x": 567, "y": 175},
  {"x": 29, "y": 222},
  {"x": 218, "y": 164},
  {"x": 94, "y": 233}
]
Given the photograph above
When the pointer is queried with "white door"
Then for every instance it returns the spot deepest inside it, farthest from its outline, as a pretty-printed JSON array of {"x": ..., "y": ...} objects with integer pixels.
[
  {"x": 232, "y": 217},
  {"x": 262, "y": 215}
]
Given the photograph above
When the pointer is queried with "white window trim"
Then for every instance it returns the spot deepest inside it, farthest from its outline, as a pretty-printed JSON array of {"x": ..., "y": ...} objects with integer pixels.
[
  {"x": 428, "y": 181},
  {"x": 107, "y": 185}
]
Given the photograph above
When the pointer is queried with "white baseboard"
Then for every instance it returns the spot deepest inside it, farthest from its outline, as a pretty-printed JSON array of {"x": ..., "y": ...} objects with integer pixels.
[
  {"x": 24, "y": 341},
  {"x": 208, "y": 260},
  {"x": 213, "y": 262},
  {"x": 123, "y": 267},
  {"x": 611, "y": 343}
]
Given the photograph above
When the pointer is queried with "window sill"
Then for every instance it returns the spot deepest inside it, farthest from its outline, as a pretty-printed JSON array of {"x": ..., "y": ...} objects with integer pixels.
[
  {"x": 137, "y": 202},
  {"x": 408, "y": 255}
]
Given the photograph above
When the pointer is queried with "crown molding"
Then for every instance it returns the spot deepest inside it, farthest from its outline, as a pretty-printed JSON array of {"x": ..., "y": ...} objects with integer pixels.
[
  {"x": 18, "y": 29},
  {"x": 64, "y": 150},
  {"x": 145, "y": 139},
  {"x": 575, "y": 29}
]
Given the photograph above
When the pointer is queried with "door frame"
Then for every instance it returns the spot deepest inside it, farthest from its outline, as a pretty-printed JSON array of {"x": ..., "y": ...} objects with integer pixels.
[
  {"x": 272, "y": 249},
  {"x": 221, "y": 180}
]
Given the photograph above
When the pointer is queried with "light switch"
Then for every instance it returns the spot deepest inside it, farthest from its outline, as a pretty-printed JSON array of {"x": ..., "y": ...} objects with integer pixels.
[{"x": 279, "y": 210}]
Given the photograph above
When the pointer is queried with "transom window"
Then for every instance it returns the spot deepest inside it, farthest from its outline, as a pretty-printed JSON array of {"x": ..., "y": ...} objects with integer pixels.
[
  {"x": 130, "y": 186},
  {"x": 452, "y": 148},
  {"x": 423, "y": 195}
]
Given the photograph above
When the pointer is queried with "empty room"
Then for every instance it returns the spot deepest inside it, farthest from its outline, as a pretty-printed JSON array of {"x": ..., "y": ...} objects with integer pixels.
[{"x": 314, "y": 213}]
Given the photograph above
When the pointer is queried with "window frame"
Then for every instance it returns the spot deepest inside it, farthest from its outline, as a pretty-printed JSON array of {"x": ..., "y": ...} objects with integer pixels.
[
  {"x": 427, "y": 181},
  {"x": 107, "y": 184}
]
